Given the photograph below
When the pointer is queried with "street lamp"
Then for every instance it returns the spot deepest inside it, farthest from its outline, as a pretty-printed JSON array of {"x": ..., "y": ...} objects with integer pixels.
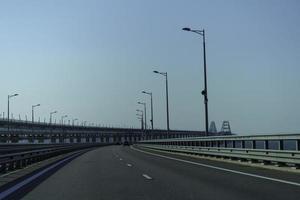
[
  {"x": 165, "y": 74},
  {"x": 150, "y": 93},
  {"x": 74, "y": 121},
  {"x": 9, "y": 96},
  {"x": 51, "y": 113},
  {"x": 62, "y": 119},
  {"x": 145, "y": 113},
  {"x": 204, "y": 92},
  {"x": 142, "y": 117},
  {"x": 32, "y": 111}
]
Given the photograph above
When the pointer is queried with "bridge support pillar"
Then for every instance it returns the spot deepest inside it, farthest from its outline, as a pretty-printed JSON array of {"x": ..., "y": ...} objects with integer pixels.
[
  {"x": 61, "y": 140},
  {"x": 266, "y": 144},
  {"x": 297, "y": 145},
  {"x": 53, "y": 139},
  {"x": 242, "y": 144},
  {"x": 30, "y": 139},
  {"x": 41, "y": 139},
  {"x": 253, "y": 144},
  {"x": 14, "y": 138},
  {"x": 233, "y": 144},
  {"x": 280, "y": 145}
]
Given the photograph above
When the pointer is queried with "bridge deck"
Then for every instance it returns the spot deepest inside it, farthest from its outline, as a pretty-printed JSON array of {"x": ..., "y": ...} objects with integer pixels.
[{"x": 120, "y": 172}]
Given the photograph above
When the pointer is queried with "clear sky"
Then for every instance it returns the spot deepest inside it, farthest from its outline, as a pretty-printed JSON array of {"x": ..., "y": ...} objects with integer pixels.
[{"x": 90, "y": 59}]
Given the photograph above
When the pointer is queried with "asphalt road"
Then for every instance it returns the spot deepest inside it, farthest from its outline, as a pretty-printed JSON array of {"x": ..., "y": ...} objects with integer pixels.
[{"x": 117, "y": 172}]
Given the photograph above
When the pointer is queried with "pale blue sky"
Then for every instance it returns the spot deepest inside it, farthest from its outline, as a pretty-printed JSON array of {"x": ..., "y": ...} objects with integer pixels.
[{"x": 91, "y": 59}]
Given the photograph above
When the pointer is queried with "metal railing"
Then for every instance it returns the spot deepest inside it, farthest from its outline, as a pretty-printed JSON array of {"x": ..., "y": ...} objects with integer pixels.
[
  {"x": 280, "y": 149},
  {"x": 13, "y": 161}
]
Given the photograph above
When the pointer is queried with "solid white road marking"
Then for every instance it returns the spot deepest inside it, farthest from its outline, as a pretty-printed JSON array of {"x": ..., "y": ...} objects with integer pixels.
[
  {"x": 129, "y": 165},
  {"x": 147, "y": 177},
  {"x": 221, "y": 169}
]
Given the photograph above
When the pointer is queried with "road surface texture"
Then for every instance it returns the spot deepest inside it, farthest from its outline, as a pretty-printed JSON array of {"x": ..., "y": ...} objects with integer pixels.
[{"x": 122, "y": 172}]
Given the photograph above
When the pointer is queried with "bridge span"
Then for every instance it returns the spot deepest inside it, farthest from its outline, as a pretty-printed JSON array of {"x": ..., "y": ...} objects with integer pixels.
[{"x": 18, "y": 131}]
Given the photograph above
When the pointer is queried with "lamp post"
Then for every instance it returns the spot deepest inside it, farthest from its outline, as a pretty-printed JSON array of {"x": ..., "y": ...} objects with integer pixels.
[
  {"x": 51, "y": 113},
  {"x": 32, "y": 111},
  {"x": 165, "y": 74},
  {"x": 62, "y": 119},
  {"x": 74, "y": 121},
  {"x": 9, "y": 96},
  {"x": 145, "y": 113},
  {"x": 204, "y": 92},
  {"x": 150, "y": 93},
  {"x": 142, "y": 118}
]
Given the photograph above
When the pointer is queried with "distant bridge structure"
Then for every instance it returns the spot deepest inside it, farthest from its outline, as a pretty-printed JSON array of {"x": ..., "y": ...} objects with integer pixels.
[
  {"x": 212, "y": 127},
  {"x": 226, "y": 130},
  {"x": 28, "y": 132}
]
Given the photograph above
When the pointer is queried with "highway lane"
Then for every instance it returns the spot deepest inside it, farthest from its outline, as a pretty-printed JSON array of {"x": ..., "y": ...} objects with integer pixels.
[{"x": 118, "y": 172}]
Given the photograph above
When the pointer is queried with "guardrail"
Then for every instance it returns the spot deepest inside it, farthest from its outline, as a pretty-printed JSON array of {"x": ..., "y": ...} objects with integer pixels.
[
  {"x": 16, "y": 148},
  {"x": 279, "y": 149},
  {"x": 13, "y": 161}
]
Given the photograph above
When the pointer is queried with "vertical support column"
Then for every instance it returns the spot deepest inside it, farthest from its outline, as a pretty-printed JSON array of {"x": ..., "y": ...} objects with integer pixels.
[
  {"x": 225, "y": 143},
  {"x": 266, "y": 144},
  {"x": 243, "y": 144},
  {"x": 297, "y": 145},
  {"x": 280, "y": 145},
  {"x": 233, "y": 143},
  {"x": 253, "y": 144},
  {"x": 206, "y": 143},
  {"x": 77, "y": 138},
  {"x": 53, "y": 138},
  {"x": 61, "y": 138}
]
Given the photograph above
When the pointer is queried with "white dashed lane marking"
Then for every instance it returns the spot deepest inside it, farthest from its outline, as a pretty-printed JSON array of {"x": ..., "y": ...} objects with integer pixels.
[{"x": 147, "y": 177}]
